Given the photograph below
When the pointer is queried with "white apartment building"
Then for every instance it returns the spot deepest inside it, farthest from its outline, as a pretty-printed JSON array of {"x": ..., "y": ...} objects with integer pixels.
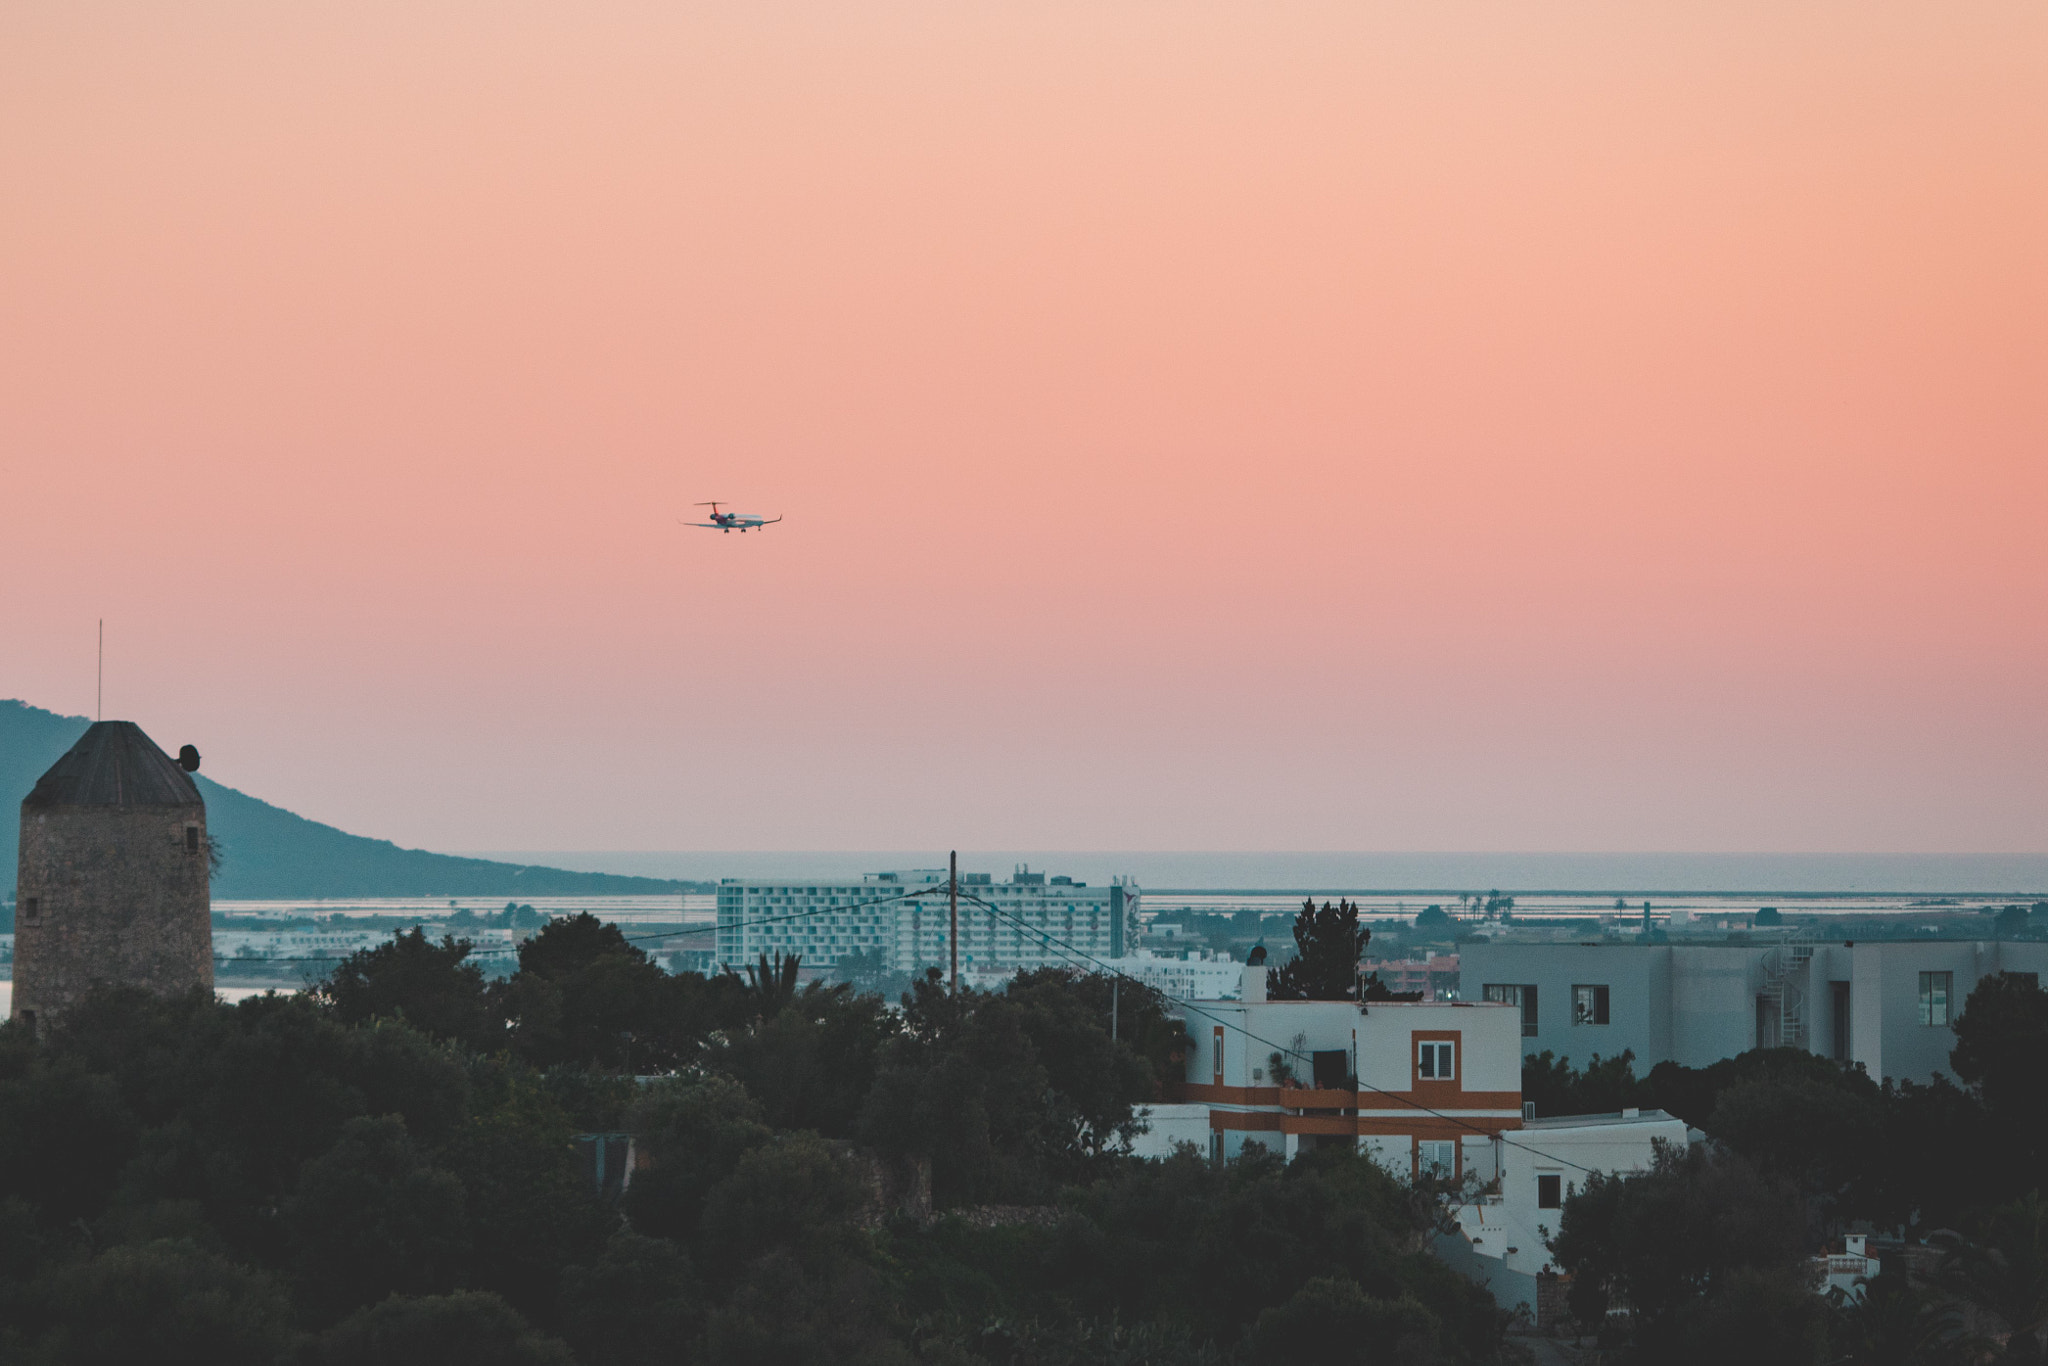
[
  {"x": 1417, "y": 1085},
  {"x": 1036, "y": 920},
  {"x": 1502, "y": 1238},
  {"x": 1887, "y": 1004}
]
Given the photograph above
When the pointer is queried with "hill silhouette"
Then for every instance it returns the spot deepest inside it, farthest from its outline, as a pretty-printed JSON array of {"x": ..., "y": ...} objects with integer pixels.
[{"x": 273, "y": 853}]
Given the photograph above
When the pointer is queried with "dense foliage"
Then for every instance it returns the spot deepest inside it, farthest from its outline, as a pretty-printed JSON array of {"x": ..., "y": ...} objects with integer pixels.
[
  {"x": 1328, "y": 943},
  {"x": 1709, "y": 1251},
  {"x": 387, "y": 1171}
]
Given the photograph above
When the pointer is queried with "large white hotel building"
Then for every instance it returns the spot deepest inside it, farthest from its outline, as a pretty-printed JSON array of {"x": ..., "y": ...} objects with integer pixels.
[{"x": 1039, "y": 920}]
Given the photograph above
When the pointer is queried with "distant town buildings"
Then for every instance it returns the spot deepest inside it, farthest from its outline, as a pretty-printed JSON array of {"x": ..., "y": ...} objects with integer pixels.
[
  {"x": 898, "y": 921},
  {"x": 1887, "y": 1004},
  {"x": 1435, "y": 975},
  {"x": 1200, "y": 973},
  {"x": 114, "y": 875}
]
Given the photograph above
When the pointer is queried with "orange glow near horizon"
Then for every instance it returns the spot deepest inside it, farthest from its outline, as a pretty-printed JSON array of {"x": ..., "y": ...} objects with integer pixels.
[{"x": 1237, "y": 426}]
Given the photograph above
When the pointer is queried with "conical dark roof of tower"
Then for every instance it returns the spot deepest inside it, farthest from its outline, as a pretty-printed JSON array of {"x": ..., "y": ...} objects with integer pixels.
[{"x": 115, "y": 764}]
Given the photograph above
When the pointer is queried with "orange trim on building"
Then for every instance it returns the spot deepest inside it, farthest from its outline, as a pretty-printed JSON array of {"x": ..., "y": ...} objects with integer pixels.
[
  {"x": 1301, "y": 1098},
  {"x": 1459, "y": 1100},
  {"x": 1206, "y": 1093},
  {"x": 1429, "y": 1126},
  {"x": 1414, "y": 1124}
]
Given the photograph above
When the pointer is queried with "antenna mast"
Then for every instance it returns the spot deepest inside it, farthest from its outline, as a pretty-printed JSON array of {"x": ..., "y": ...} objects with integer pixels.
[
  {"x": 953, "y": 916},
  {"x": 99, "y": 691}
]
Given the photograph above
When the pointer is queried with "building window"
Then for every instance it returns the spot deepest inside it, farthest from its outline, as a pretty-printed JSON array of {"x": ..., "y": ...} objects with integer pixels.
[
  {"x": 31, "y": 908},
  {"x": 191, "y": 839},
  {"x": 1523, "y": 996},
  {"x": 1436, "y": 1157},
  {"x": 1589, "y": 1005},
  {"x": 1839, "y": 1008},
  {"x": 1436, "y": 1060},
  {"x": 1934, "y": 993},
  {"x": 1549, "y": 1191},
  {"x": 1216, "y": 1042}
]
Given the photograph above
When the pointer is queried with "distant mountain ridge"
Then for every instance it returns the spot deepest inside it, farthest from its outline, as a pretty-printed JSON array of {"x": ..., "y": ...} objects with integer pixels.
[{"x": 270, "y": 852}]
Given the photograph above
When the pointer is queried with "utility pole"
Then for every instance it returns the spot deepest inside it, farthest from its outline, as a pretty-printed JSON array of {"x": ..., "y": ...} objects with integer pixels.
[
  {"x": 1114, "y": 983},
  {"x": 953, "y": 917}
]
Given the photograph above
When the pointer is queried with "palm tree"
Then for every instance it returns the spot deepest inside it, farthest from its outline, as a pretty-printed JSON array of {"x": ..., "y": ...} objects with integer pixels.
[
  {"x": 769, "y": 988},
  {"x": 2005, "y": 1272},
  {"x": 1895, "y": 1323}
]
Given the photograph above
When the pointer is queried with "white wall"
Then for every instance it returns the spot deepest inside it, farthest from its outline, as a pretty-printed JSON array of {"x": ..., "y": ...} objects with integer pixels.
[
  {"x": 1696, "y": 1003},
  {"x": 1167, "y": 1126}
]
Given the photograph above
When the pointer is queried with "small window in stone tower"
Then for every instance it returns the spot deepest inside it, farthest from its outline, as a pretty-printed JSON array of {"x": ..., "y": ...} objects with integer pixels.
[
  {"x": 191, "y": 839},
  {"x": 31, "y": 908}
]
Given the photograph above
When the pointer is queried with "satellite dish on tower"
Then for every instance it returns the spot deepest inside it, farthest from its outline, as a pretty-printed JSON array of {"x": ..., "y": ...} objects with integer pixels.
[{"x": 188, "y": 758}]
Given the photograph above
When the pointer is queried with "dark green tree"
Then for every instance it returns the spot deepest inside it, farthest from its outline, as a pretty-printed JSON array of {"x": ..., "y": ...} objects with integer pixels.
[
  {"x": 1329, "y": 943},
  {"x": 1818, "y": 1131},
  {"x": 1896, "y": 1322},
  {"x": 2003, "y": 1270},
  {"x": 812, "y": 1062},
  {"x": 584, "y": 994},
  {"x": 468, "y": 1328},
  {"x": 1921, "y": 1183},
  {"x": 531, "y": 1211},
  {"x": 1098, "y": 1081},
  {"x": 1006, "y": 1094},
  {"x": 794, "y": 1195},
  {"x": 433, "y": 987},
  {"x": 695, "y": 1133},
  {"x": 637, "y": 1306},
  {"x": 163, "y": 1301},
  {"x": 1661, "y": 1239},
  {"x": 1756, "y": 1315},
  {"x": 2001, "y": 1053},
  {"x": 1331, "y": 1320},
  {"x": 1603, "y": 1087},
  {"x": 372, "y": 1217},
  {"x": 235, "y": 1099}
]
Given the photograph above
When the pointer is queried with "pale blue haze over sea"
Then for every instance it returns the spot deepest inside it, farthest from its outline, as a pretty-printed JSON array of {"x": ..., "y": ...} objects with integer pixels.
[{"x": 1773, "y": 874}]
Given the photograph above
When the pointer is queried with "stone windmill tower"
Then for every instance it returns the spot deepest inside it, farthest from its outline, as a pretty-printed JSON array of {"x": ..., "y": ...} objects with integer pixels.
[{"x": 114, "y": 874}]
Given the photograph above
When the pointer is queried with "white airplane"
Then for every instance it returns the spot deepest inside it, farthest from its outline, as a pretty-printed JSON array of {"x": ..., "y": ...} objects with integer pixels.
[{"x": 733, "y": 521}]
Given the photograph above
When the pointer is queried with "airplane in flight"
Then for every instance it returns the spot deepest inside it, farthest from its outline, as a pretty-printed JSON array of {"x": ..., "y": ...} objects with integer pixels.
[{"x": 733, "y": 521}]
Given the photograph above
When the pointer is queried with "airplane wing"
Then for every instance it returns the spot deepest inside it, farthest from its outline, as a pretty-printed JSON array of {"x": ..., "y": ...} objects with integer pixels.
[{"x": 715, "y": 526}]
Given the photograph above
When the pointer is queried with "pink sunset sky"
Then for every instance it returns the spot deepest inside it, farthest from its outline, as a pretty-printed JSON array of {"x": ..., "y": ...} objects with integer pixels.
[{"x": 1435, "y": 426}]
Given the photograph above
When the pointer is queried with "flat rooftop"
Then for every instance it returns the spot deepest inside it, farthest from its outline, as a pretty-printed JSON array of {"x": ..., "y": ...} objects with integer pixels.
[{"x": 1587, "y": 1121}]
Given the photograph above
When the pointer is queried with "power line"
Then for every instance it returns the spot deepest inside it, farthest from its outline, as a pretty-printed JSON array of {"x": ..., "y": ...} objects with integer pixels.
[{"x": 1047, "y": 938}]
